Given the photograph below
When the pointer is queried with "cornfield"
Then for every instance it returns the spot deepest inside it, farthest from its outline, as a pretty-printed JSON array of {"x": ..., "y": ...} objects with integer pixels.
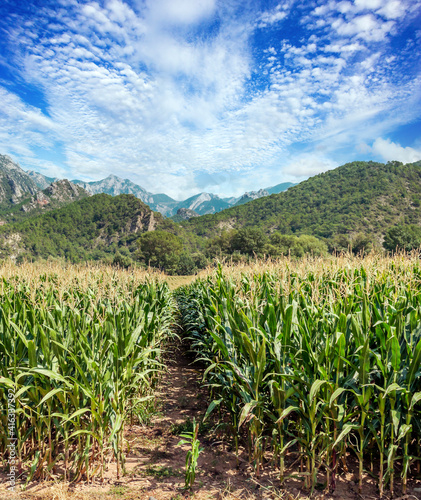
[
  {"x": 80, "y": 350},
  {"x": 316, "y": 361}
]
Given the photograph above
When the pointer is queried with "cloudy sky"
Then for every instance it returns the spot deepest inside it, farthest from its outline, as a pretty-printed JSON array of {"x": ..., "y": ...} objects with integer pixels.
[{"x": 224, "y": 96}]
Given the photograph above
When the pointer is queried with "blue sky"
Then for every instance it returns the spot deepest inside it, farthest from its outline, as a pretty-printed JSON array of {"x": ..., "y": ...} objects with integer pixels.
[{"x": 223, "y": 96}]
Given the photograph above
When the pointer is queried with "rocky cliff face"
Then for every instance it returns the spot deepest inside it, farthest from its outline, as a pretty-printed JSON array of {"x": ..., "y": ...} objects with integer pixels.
[
  {"x": 15, "y": 183},
  {"x": 186, "y": 213},
  {"x": 252, "y": 195},
  {"x": 114, "y": 186},
  {"x": 203, "y": 203},
  {"x": 65, "y": 191},
  {"x": 57, "y": 194},
  {"x": 41, "y": 180}
]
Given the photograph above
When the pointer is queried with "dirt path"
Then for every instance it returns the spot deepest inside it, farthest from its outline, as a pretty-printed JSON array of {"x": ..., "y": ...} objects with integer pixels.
[{"x": 155, "y": 463}]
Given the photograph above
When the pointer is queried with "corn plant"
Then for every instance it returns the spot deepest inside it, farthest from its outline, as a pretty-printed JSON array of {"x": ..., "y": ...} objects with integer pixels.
[
  {"x": 190, "y": 439},
  {"x": 81, "y": 359},
  {"x": 316, "y": 361}
]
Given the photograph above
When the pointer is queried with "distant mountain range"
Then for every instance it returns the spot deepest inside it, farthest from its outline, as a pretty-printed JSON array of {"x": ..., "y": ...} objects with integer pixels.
[
  {"x": 23, "y": 193},
  {"x": 200, "y": 204},
  {"x": 357, "y": 202}
]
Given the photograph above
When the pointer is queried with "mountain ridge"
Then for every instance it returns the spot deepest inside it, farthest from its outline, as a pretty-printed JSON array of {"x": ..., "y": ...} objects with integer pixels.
[
  {"x": 366, "y": 197},
  {"x": 202, "y": 203},
  {"x": 88, "y": 229},
  {"x": 355, "y": 203}
]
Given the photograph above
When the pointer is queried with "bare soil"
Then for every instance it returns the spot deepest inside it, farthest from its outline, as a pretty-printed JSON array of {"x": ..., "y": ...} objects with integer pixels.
[{"x": 155, "y": 462}]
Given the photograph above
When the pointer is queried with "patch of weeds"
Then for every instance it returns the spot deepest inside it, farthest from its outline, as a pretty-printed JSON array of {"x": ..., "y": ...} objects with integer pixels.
[
  {"x": 146, "y": 411},
  {"x": 118, "y": 491},
  {"x": 183, "y": 402},
  {"x": 187, "y": 426},
  {"x": 162, "y": 471}
]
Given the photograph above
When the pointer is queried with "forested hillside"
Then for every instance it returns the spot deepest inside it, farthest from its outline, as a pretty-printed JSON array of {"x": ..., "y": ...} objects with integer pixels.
[
  {"x": 92, "y": 228},
  {"x": 358, "y": 206},
  {"x": 358, "y": 197}
]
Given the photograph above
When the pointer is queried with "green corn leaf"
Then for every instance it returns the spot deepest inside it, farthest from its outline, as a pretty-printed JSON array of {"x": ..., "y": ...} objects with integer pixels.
[
  {"x": 414, "y": 366},
  {"x": 315, "y": 388},
  {"x": 246, "y": 414},
  {"x": 347, "y": 428}
]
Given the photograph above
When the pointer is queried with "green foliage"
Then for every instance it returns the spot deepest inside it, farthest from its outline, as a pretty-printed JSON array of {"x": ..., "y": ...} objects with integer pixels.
[
  {"x": 325, "y": 362},
  {"x": 359, "y": 197},
  {"x": 249, "y": 240},
  {"x": 160, "y": 249},
  {"x": 186, "y": 264},
  {"x": 221, "y": 244},
  {"x": 361, "y": 243},
  {"x": 161, "y": 471},
  {"x": 190, "y": 438},
  {"x": 347, "y": 209},
  {"x": 253, "y": 241},
  {"x": 122, "y": 261},
  {"x": 92, "y": 228},
  {"x": 296, "y": 246},
  {"x": 83, "y": 359},
  {"x": 100, "y": 228},
  {"x": 167, "y": 252},
  {"x": 403, "y": 237}
]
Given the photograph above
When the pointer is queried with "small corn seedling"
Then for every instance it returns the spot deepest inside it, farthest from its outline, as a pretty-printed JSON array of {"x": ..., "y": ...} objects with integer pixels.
[{"x": 190, "y": 438}]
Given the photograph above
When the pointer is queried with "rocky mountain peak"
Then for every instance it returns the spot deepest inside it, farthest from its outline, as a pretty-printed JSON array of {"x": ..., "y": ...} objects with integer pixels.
[
  {"x": 252, "y": 195},
  {"x": 59, "y": 193},
  {"x": 186, "y": 213},
  {"x": 63, "y": 190},
  {"x": 15, "y": 184}
]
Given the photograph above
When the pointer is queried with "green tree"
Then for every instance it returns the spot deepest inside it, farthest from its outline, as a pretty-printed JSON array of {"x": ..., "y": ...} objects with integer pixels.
[
  {"x": 186, "y": 265},
  {"x": 160, "y": 249},
  {"x": 122, "y": 261},
  {"x": 339, "y": 243},
  {"x": 221, "y": 245},
  {"x": 403, "y": 237},
  {"x": 249, "y": 240},
  {"x": 311, "y": 245},
  {"x": 361, "y": 243},
  {"x": 296, "y": 246}
]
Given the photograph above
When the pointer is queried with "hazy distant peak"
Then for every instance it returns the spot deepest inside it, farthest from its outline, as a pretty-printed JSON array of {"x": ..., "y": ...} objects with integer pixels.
[{"x": 41, "y": 180}]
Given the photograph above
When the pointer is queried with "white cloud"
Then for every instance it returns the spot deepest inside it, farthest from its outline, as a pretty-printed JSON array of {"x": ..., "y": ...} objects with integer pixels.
[
  {"x": 392, "y": 9},
  {"x": 307, "y": 165},
  {"x": 390, "y": 151},
  {"x": 142, "y": 92},
  {"x": 23, "y": 126},
  {"x": 270, "y": 17},
  {"x": 180, "y": 12},
  {"x": 367, "y": 27},
  {"x": 368, "y": 4}
]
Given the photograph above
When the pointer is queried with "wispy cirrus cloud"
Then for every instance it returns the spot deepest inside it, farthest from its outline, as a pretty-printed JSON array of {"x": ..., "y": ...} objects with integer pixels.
[{"x": 160, "y": 91}]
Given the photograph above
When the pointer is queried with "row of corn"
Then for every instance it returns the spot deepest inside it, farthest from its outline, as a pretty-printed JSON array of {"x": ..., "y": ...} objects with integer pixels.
[
  {"x": 77, "y": 363},
  {"x": 315, "y": 369}
]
